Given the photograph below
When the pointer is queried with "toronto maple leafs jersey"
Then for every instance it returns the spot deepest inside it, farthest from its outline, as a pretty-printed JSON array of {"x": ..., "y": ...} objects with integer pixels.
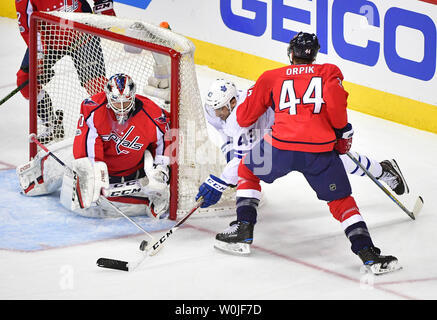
[{"x": 237, "y": 141}]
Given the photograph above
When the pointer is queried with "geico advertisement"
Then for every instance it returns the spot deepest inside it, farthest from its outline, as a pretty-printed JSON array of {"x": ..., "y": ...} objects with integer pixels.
[{"x": 388, "y": 45}]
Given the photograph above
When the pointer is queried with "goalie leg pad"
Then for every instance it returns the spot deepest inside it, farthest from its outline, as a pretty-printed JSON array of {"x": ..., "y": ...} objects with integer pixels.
[
  {"x": 31, "y": 178},
  {"x": 43, "y": 175}
]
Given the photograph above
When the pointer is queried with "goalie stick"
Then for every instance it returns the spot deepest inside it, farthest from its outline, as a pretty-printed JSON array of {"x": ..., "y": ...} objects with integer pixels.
[
  {"x": 34, "y": 139},
  {"x": 419, "y": 201},
  {"x": 150, "y": 251}
]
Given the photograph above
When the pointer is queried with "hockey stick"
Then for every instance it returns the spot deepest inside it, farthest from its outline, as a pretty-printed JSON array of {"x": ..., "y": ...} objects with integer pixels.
[
  {"x": 418, "y": 204},
  {"x": 150, "y": 251},
  {"x": 13, "y": 92},
  {"x": 34, "y": 139}
]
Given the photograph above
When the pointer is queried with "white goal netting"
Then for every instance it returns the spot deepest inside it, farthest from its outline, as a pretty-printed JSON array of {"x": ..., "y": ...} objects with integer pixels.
[{"x": 73, "y": 62}]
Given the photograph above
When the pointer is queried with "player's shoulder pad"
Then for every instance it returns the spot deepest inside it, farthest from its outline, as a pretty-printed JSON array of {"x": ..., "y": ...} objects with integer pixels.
[
  {"x": 332, "y": 70},
  {"x": 91, "y": 103},
  {"x": 154, "y": 112},
  {"x": 147, "y": 104}
]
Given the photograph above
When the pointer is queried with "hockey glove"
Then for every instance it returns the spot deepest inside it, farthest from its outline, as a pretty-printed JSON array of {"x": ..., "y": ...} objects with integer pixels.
[
  {"x": 105, "y": 7},
  {"x": 211, "y": 191},
  {"x": 157, "y": 173},
  {"x": 344, "y": 139}
]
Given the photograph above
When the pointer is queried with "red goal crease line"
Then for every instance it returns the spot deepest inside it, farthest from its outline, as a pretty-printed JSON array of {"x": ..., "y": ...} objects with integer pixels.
[{"x": 6, "y": 166}]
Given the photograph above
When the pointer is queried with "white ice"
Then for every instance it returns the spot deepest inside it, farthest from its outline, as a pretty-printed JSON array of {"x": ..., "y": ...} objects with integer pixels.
[{"x": 299, "y": 250}]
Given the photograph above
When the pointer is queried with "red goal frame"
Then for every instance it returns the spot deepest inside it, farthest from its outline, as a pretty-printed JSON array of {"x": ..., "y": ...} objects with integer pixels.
[{"x": 175, "y": 85}]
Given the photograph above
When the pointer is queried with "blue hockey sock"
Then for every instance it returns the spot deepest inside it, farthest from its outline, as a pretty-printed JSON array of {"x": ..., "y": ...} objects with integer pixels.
[
  {"x": 359, "y": 236},
  {"x": 247, "y": 209}
]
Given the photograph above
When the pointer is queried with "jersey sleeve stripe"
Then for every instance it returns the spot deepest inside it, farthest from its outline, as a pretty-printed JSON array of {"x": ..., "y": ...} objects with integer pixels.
[
  {"x": 159, "y": 142},
  {"x": 91, "y": 137},
  {"x": 303, "y": 142}
]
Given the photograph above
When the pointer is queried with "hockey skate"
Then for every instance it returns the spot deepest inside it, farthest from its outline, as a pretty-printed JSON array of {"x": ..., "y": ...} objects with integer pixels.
[
  {"x": 377, "y": 263},
  {"x": 236, "y": 239},
  {"x": 58, "y": 130},
  {"x": 392, "y": 176},
  {"x": 53, "y": 131}
]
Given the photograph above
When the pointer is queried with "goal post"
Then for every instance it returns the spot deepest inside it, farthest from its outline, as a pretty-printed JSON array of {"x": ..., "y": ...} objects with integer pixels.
[{"x": 71, "y": 57}]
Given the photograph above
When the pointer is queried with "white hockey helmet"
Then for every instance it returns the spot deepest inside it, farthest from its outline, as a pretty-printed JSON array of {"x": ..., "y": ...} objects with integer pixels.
[
  {"x": 219, "y": 95},
  {"x": 120, "y": 91}
]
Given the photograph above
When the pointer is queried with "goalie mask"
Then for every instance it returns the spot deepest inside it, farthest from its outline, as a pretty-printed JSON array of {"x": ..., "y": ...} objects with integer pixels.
[
  {"x": 120, "y": 91},
  {"x": 219, "y": 95},
  {"x": 304, "y": 45}
]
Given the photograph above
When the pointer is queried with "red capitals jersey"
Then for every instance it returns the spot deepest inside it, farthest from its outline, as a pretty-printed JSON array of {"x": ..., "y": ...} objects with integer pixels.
[
  {"x": 100, "y": 137},
  {"x": 26, "y": 7},
  {"x": 309, "y": 102}
]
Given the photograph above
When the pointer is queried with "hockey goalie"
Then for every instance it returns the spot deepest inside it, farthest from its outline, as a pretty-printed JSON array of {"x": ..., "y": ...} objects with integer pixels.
[{"x": 119, "y": 151}]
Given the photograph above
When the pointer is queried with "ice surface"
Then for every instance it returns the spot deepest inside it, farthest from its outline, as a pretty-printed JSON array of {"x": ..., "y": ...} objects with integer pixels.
[{"x": 299, "y": 251}]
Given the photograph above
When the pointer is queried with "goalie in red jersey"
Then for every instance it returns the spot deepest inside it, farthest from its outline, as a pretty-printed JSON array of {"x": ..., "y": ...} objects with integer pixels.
[
  {"x": 120, "y": 141},
  {"x": 310, "y": 130}
]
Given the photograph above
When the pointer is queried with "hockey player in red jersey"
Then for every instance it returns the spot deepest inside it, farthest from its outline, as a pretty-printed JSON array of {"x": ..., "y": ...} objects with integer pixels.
[
  {"x": 221, "y": 104},
  {"x": 310, "y": 130},
  {"x": 120, "y": 138},
  {"x": 92, "y": 79}
]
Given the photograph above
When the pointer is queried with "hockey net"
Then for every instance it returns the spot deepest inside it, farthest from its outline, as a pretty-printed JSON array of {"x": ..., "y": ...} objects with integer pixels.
[{"x": 72, "y": 55}]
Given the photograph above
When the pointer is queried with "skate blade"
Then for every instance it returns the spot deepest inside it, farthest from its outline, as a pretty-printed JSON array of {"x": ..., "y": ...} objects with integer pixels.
[
  {"x": 379, "y": 269},
  {"x": 238, "y": 248}
]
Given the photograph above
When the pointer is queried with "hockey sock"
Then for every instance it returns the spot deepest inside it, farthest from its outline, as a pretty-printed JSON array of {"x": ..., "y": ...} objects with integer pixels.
[
  {"x": 247, "y": 209},
  {"x": 359, "y": 236},
  {"x": 346, "y": 211}
]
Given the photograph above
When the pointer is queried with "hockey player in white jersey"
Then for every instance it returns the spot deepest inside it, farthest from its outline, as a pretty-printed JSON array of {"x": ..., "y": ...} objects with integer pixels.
[{"x": 221, "y": 103}]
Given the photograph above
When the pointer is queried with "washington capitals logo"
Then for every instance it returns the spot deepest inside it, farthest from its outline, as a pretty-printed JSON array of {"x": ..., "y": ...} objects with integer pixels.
[
  {"x": 162, "y": 119},
  {"x": 89, "y": 102},
  {"x": 123, "y": 141}
]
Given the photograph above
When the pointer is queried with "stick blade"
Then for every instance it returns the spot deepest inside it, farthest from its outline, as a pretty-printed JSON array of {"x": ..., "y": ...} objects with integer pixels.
[
  {"x": 418, "y": 206},
  {"x": 112, "y": 264}
]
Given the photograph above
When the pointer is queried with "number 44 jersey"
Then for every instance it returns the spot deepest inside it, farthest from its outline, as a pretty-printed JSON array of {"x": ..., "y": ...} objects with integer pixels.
[{"x": 309, "y": 102}]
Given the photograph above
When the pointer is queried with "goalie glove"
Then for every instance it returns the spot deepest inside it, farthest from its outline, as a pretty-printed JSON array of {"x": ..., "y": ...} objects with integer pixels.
[
  {"x": 157, "y": 173},
  {"x": 211, "y": 191},
  {"x": 344, "y": 139},
  {"x": 156, "y": 188},
  {"x": 105, "y": 7},
  {"x": 90, "y": 179}
]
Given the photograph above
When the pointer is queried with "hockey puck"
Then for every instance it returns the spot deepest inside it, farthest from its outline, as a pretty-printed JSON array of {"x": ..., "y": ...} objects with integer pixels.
[{"x": 143, "y": 245}]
